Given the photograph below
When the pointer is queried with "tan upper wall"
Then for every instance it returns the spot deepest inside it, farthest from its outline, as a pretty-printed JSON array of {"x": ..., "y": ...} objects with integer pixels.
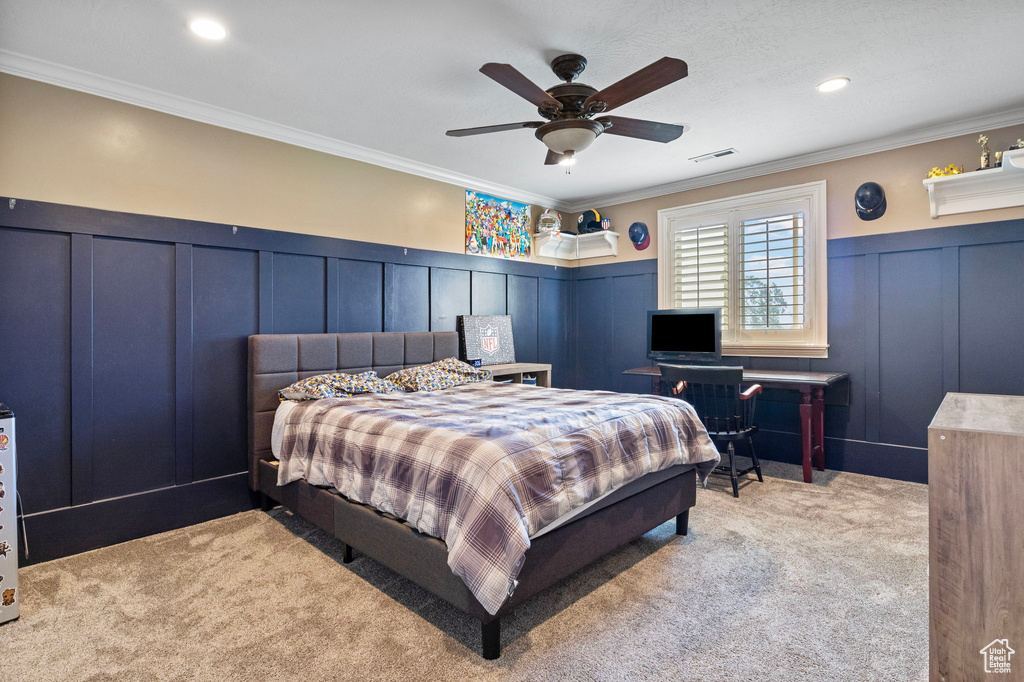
[
  {"x": 68, "y": 147},
  {"x": 898, "y": 171}
]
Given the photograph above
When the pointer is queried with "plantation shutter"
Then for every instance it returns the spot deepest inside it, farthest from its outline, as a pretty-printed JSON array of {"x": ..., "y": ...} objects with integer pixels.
[
  {"x": 772, "y": 294},
  {"x": 701, "y": 263}
]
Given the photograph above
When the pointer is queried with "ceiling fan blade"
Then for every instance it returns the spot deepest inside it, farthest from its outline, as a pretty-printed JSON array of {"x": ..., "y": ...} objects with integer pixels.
[
  {"x": 648, "y": 79},
  {"x": 553, "y": 158},
  {"x": 640, "y": 129},
  {"x": 507, "y": 75},
  {"x": 463, "y": 132}
]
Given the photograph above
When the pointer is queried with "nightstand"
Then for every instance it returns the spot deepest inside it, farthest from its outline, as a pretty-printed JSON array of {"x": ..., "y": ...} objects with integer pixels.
[{"x": 516, "y": 370}]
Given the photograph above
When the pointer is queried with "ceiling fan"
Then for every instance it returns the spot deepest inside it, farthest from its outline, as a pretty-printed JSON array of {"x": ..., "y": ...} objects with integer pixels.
[{"x": 570, "y": 107}]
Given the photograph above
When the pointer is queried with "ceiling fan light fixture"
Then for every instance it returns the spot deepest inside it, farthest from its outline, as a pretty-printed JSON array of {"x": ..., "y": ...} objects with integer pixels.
[
  {"x": 572, "y": 134},
  {"x": 569, "y": 107}
]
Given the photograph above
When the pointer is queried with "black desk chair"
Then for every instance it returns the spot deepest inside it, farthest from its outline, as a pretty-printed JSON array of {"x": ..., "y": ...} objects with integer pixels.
[{"x": 727, "y": 412}]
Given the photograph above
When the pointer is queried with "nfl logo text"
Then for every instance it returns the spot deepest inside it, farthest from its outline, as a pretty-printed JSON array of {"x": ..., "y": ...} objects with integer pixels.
[{"x": 489, "y": 340}]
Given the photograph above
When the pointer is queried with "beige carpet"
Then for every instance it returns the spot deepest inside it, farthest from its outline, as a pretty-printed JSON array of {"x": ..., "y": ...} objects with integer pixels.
[{"x": 789, "y": 582}]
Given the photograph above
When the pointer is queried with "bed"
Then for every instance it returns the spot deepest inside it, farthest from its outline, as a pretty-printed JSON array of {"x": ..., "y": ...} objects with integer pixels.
[{"x": 555, "y": 547}]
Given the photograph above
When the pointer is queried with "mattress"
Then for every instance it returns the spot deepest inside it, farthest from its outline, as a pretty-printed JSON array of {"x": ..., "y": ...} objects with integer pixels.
[
  {"x": 484, "y": 467},
  {"x": 280, "y": 418}
]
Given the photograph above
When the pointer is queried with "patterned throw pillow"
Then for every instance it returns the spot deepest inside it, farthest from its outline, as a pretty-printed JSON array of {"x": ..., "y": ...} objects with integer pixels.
[
  {"x": 336, "y": 386},
  {"x": 445, "y": 373}
]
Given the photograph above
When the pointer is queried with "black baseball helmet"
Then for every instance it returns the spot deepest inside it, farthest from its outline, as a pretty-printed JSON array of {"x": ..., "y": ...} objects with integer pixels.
[{"x": 870, "y": 201}]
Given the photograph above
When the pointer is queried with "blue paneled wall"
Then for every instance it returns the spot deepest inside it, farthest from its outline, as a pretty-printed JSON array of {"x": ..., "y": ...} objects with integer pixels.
[
  {"x": 123, "y": 346},
  {"x": 912, "y": 316},
  {"x": 123, "y": 350}
]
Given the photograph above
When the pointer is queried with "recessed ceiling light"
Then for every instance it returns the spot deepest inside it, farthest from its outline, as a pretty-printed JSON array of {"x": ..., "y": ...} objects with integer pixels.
[
  {"x": 833, "y": 84},
  {"x": 209, "y": 29}
]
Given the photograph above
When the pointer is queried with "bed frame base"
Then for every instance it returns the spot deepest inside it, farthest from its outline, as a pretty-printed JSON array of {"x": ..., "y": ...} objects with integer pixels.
[
  {"x": 424, "y": 559},
  {"x": 490, "y": 634},
  {"x": 683, "y": 522}
]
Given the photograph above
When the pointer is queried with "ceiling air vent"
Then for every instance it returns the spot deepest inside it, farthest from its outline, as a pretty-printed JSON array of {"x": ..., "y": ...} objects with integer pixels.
[{"x": 713, "y": 155}]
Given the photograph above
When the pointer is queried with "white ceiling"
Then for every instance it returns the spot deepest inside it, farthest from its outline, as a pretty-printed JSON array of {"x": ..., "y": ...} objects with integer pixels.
[{"x": 365, "y": 78}]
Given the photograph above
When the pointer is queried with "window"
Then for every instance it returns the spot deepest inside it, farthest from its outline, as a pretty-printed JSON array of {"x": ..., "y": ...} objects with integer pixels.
[{"x": 761, "y": 259}]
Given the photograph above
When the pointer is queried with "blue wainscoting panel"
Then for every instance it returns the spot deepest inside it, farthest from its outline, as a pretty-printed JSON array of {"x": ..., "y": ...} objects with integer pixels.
[
  {"x": 631, "y": 297},
  {"x": 845, "y": 323},
  {"x": 82, "y": 393},
  {"x": 553, "y": 329},
  {"x": 225, "y": 312},
  {"x": 449, "y": 298},
  {"x": 133, "y": 367},
  {"x": 360, "y": 296},
  {"x": 333, "y": 291},
  {"x": 489, "y": 293},
  {"x": 992, "y": 318},
  {"x": 183, "y": 370},
  {"x": 300, "y": 294},
  {"x": 35, "y": 354},
  {"x": 910, "y": 344},
  {"x": 522, "y": 307},
  {"x": 406, "y": 298},
  {"x": 593, "y": 334}
]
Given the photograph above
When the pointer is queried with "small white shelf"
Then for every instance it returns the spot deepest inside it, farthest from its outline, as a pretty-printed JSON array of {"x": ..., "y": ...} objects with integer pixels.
[
  {"x": 576, "y": 247},
  {"x": 981, "y": 190}
]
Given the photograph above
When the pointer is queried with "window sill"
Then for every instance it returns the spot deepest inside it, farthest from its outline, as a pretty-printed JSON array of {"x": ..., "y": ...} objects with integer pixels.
[{"x": 775, "y": 350}]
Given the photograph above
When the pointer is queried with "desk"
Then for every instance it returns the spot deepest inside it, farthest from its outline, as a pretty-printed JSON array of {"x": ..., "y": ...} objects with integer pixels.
[{"x": 812, "y": 405}]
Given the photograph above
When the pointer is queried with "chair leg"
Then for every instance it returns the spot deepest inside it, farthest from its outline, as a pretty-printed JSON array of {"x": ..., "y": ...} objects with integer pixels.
[
  {"x": 682, "y": 522},
  {"x": 732, "y": 470},
  {"x": 490, "y": 634},
  {"x": 753, "y": 456}
]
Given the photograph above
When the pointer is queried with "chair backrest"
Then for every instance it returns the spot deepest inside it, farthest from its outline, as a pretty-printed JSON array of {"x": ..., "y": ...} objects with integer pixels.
[{"x": 714, "y": 393}]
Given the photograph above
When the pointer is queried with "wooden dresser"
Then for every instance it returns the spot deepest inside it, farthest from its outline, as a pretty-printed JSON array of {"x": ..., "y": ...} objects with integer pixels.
[{"x": 976, "y": 538}]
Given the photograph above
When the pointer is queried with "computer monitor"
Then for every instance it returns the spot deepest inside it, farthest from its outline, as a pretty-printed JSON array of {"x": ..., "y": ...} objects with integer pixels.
[{"x": 692, "y": 335}]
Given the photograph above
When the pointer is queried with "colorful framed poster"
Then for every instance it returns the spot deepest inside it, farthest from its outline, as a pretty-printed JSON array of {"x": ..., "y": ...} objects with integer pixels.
[{"x": 498, "y": 228}]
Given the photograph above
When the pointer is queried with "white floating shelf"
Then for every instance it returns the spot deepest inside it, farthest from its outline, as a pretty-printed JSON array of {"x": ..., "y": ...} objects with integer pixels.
[
  {"x": 981, "y": 190},
  {"x": 576, "y": 247}
]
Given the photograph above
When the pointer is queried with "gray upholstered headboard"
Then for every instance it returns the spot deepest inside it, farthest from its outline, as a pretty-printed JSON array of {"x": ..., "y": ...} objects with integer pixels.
[{"x": 277, "y": 360}]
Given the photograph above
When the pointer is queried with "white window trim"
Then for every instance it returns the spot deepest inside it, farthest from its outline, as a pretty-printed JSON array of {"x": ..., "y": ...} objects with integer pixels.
[{"x": 815, "y": 342}]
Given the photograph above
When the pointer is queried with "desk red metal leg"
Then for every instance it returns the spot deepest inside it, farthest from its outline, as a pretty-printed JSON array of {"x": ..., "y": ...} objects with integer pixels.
[
  {"x": 806, "y": 431},
  {"x": 819, "y": 426}
]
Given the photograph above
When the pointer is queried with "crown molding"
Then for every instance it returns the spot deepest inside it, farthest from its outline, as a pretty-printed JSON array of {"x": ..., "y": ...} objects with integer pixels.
[
  {"x": 75, "y": 79},
  {"x": 940, "y": 131}
]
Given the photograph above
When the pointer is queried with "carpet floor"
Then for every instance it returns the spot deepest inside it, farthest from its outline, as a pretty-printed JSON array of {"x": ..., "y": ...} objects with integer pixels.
[{"x": 789, "y": 582}]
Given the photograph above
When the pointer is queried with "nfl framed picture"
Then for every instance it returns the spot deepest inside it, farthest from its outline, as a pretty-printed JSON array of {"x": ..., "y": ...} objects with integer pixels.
[{"x": 487, "y": 338}]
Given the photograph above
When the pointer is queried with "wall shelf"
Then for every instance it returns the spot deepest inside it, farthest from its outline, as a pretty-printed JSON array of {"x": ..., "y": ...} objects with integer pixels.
[
  {"x": 576, "y": 247},
  {"x": 981, "y": 190}
]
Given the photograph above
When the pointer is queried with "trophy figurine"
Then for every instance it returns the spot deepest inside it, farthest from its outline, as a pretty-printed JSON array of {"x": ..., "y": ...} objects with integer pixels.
[{"x": 986, "y": 154}]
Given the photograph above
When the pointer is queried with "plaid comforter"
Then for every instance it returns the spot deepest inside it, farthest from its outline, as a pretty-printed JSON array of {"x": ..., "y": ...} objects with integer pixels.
[{"x": 485, "y": 466}]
